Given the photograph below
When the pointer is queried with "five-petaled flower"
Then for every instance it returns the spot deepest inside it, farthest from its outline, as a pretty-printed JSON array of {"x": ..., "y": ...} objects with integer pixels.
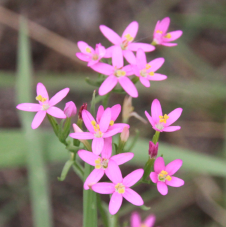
[
  {"x": 163, "y": 174},
  {"x": 135, "y": 220},
  {"x": 161, "y": 37},
  {"x": 120, "y": 188},
  {"x": 162, "y": 122},
  {"x": 45, "y": 105}
]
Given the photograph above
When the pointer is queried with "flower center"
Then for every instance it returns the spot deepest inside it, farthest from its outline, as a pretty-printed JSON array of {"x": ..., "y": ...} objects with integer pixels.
[
  {"x": 125, "y": 42},
  {"x": 45, "y": 106},
  {"x": 40, "y": 98},
  {"x": 88, "y": 50},
  {"x": 96, "y": 128},
  {"x": 119, "y": 73},
  {"x": 168, "y": 36},
  {"x": 163, "y": 118},
  {"x": 101, "y": 163},
  {"x": 159, "y": 32},
  {"x": 95, "y": 57},
  {"x": 163, "y": 176},
  {"x": 120, "y": 188}
]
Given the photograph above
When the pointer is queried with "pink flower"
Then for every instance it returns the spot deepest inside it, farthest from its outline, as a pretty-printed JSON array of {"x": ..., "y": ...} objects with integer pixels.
[
  {"x": 162, "y": 123},
  {"x": 153, "y": 149},
  {"x": 146, "y": 71},
  {"x": 161, "y": 36},
  {"x": 89, "y": 54},
  {"x": 163, "y": 175},
  {"x": 136, "y": 220},
  {"x": 97, "y": 131},
  {"x": 70, "y": 109},
  {"x": 104, "y": 164},
  {"x": 116, "y": 73},
  {"x": 45, "y": 105},
  {"x": 120, "y": 188},
  {"x": 125, "y": 42}
]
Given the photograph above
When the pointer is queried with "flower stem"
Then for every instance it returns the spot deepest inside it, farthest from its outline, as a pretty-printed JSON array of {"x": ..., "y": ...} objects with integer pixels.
[{"x": 156, "y": 137}]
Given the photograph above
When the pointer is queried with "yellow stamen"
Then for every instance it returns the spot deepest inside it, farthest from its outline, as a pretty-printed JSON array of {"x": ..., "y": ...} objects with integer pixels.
[
  {"x": 168, "y": 36},
  {"x": 93, "y": 123},
  {"x": 143, "y": 225},
  {"x": 129, "y": 37},
  {"x": 120, "y": 188},
  {"x": 151, "y": 73},
  {"x": 120, "y": 73},
  {"x": 163, "y": 118},
  {"x": 159, "y": 32},
  {"x": 98, "y": 163},
  {"x": 111, "y": 123},
  {"x": 148, "y": 66},
  {"x": 163, "y": 175},
  {"x": 88, "y": 50},
  {"x": 40, "y": 98},
  {"x": 169, "y": 178}
]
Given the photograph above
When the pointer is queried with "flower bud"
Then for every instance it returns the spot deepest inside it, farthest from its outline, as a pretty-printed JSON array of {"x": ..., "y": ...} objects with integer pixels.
[
  {"x": 70, "y": 109},
  {"x": 125, "y": 134},
  {"x": 83, "y": 107},
  {"x": 153, "y": 149}
]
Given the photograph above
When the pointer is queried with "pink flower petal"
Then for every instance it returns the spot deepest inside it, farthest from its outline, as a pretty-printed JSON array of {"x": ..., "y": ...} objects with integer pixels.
[
  {"x": 82, "y": 47},
  {"x": 83, "y": 57},
  {"x": 122, "y": 158},
  {"x": 144, "y": 81},
  {"x": 103, "y": 68},
  {"x": 131, "y": 29},
  {"x": 92, "y": 62},
  {"x": 141, "y": 59},
  {"x": 171, "y": 128},
  {"x": 156, "y": 110},
  {"x": 150, "y": 221},
  {"x": 154, "y": 177},
  {"x": 112, "y": 132},
  {"x": 110, "y": 35},
  {"x": 133, "y": 197},
  {"x": 173, "y": 166},
  {"x": 108, "y": 53},
  {"x": 115, "y": 111},
  {"x": 41, "y": 90},
  {"x": 173, "y": 116},
  {"x": 133, "y": 177},
  {"x": 164, "y": 25},
  {"x": 119, "y": 125},
  {"x": 88, "y": 157},
  {"x": 113, "y": 172},
  {"x": 117, "y": 57},
  {"x": 76, "y": 128},
  {"x": 31, "y": 107},
  {"x": 129, "y": 56},
  {"x": 103, "y": 188},
  {"x": 135, "y": 220},
  {"x": 58, "y": 96},
  {"x": 39, "y": 117},
  {"x": 56, "y": 112},
  {"x": 157, "y": 77},
  {"x": 115, "y": 203},
  {"x": 93, "y": 178},
  {"x": 128, "y": 86},
  {"x": 82, "y": 135},
  {"x": 150, "y": 119},
  {"x": 159, "y": 165},
  {"x": 108, "y": 85},
  {"x": 144, "y": 46},
  {"x": 100, "y": 50},
  {"x": 100, "y": 112},
  {"x": 107, "y": 149},
  {"x": 88, "y": 118},
  {"x": 97, "y": 145},
  {"x": 156, "y": 64},
  {"x": 174, "y": 35},
  {"x": 169, "y": 44},
  {"x": 175, "y": 182},
  {"x": 162, "y": 188},
  {"x": 105, "y": 120}
]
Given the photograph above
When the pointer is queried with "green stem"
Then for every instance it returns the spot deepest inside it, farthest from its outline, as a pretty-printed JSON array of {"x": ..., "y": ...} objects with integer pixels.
[
  {"x": 79, "y": 170},
  {"x": 102, "y": 211},
  {"x": 134, "y": 140},
  {"x": 105, "y": 100},
  {"x": 156, "y": 137}
]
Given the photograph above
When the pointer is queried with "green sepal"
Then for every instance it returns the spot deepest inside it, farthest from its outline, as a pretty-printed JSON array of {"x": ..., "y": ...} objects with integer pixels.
[
  {"x": 65, "y": 170},
  {"x": 54, "y": 124},
  {"x": 148, "y": 168},
  {"x": 143, "y": 207},
  {"x": 67, "y": 126},
  {"x": 135, "y": 79}
]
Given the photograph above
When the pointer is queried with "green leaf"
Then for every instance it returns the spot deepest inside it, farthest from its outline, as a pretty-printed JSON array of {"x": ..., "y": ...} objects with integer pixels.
[{"x": 65, "y": 170}]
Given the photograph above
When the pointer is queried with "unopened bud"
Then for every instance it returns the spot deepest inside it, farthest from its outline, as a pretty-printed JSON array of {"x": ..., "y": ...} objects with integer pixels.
[
  {"x": 153, "y": 149},
  {"x": 83, "y": 107},
  {"x": 70, "y": 109},
  {"x": 125, "y": 134}
]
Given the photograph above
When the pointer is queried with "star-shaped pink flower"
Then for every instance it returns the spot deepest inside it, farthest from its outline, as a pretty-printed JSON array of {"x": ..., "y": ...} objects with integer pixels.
[
  {"x": 136, "y": 220},
  {"x": 45, "y": 105}
]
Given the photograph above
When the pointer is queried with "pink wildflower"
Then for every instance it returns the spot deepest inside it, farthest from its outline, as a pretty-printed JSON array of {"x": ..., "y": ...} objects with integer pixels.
[
  {"x": 125, "y": 42},
  {"x": 45, "y": 105},
  {"x": 104, "y": 164},
  {"x": 70, "y": 109},
  {"x": 97, "y": 131},
  {"x": 89, "y": 54},
  {"x": 120, "y": 188},
  {"x": 116, "y": 73},
  {"x": 161, "y": 37},
  {"x": 162, "y": 123},
  {"x": 146, "y": 71},
  {"x": 136, "y": 220},
  {"x": 163, "y": 175}
]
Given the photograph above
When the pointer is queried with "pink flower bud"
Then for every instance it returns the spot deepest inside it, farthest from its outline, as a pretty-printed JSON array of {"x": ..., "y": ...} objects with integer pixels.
[
  {"x": 70, "y": 109},
  {"x": 125, "y": 134},
  {"x": 83, "y": 107},
  {"x": 153, "y": 149}
]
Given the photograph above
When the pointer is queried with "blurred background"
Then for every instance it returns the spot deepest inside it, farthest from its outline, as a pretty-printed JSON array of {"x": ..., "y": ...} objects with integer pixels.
[{"x": 196, "y": 71}]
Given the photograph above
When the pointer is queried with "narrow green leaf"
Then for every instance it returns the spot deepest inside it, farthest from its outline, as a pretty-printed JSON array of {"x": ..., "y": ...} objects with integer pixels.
[
  {"x": 92, "y": 108},
  {"x": 65, "y": 170}
]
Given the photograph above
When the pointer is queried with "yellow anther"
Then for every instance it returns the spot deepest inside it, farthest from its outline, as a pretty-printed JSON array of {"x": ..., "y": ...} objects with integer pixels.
[
  {"x": 88, "y": 50},
  {"x": 164, "y": 172},
  {"x": 159, "y": 32},
  {"x": 161, "y": 175},
  {"x": 143, "y": 225},
  {"x": 151, "y": 73},
  {"x": 98, "y": 166},
  {"x": 111, "y": 123},
  {"x": 120, "y": 73},
  {"x": 129, "y": 37},
  {"x": 120, "y": 188},
  {"x": 148, "y": 66},
  {"x": 169, "y": 178},
  {"x": 163, "y": 118},
  {"x": 168, "y": 36},
  {"x": 40, "y": 98},
  {"x": 93, "y": 123},
  {"x": 98, "y": 163}
]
